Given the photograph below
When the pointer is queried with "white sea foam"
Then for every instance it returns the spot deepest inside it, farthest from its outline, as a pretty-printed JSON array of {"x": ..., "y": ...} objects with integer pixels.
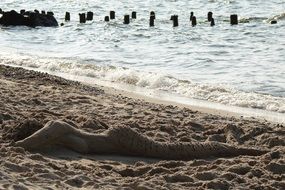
[
  {"x": 276, "y": 17},
  {"x": 151, "y": 81}
]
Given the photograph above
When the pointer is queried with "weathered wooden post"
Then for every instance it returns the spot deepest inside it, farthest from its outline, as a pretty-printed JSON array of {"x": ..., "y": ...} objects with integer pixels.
[
  {"x": 234, "y": 19},
  {"x": 194, "y": 21},
  {"x": 175, "y": 20},
  {"x": 22, "y": 11},
  {"x": 127, "y": 19},
  {"x": 210, "y": 16},
  {"x": 171, "y": 18},
  {"x": 151, "y": 20},
  {"x": 213, "y": 22},
  {"x": 152, "y": 13},
  {"x": 107, "y": 19},
  {"x": 191, "y": 15},
  {"x": 134, "y": 15},
  {"x": 89, "y": 15},
  {"x": 112, "y": 15},
  {"x": 82, "y": 18},
  {"x": 67, "y": 16}
]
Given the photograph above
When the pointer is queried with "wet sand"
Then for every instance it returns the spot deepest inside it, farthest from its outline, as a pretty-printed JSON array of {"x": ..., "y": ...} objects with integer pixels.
[{"x": 29, "y": 99}]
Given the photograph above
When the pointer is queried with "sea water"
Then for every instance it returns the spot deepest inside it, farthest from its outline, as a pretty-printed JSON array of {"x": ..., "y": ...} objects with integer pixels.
[{"x": 241, "y": 66}]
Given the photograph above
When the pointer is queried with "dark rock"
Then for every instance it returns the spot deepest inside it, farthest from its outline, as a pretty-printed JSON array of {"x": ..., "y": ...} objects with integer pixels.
[
  {"x": 50, "y": 13},
  {"x": 31, "y": 19}
]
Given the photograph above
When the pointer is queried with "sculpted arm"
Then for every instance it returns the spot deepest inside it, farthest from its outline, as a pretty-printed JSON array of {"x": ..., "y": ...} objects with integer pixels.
[
  {"x": 63, "y": 134},
  {"x": 54, "y": 132}
]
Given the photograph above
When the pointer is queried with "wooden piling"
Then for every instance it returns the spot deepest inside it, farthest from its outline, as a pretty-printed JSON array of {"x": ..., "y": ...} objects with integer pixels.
[
  {"x": 82, "y": 18},
  {"x": 213, "y": 22},
  {"x": 67, "y": 16},
  {"x": 89, "y": 15},
  {"x": 152, "y": 13},
  {"x": 210, "y": 16},
  {"x": 234, "y": 19},
  {"x": 134, "y": 15},
  {"x": 175, "y": 20},
  {"x": 151, "y": 20},
  {"x": 106, "y": 19},
  {"x": 194, "y": 21},
  {"x": 191, "y": 15},
  {"x": 127, "y": 19},
  {"x": 112, "y": 15}
]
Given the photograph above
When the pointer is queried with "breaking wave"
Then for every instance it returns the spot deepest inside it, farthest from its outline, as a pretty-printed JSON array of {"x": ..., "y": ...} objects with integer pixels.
[{"x": 153, "y": 81}]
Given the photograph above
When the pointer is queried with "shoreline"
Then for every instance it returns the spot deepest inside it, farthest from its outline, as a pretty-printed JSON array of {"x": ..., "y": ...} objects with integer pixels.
[
  {"x": 236, "y": 111},
  {"x": 168, "y": 99},
  {"x": 30, "y": 99}
]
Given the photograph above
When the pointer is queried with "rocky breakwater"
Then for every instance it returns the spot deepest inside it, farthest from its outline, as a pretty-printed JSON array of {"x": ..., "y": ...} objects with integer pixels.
[{"x": 28, "y": 18}]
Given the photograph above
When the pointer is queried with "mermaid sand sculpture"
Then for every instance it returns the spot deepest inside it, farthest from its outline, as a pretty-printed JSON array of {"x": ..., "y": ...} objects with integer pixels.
[{"x": 126, "y": 141}]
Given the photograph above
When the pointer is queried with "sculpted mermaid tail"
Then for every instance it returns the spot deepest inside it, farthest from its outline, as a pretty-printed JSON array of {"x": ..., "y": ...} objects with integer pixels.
[
  {"x": 131, "y": 142},
  {"x": 126, "y": 141}
]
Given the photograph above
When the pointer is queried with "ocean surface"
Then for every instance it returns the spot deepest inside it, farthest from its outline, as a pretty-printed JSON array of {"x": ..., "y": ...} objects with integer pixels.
[{"x": 240, "y": 66}]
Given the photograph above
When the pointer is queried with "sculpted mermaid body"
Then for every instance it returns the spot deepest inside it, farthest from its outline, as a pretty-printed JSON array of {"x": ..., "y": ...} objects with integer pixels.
[{"x": 126, "y": 141}]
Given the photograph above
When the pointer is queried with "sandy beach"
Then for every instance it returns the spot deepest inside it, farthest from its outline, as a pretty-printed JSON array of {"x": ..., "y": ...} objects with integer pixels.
[{"x": 29, "y": 99}]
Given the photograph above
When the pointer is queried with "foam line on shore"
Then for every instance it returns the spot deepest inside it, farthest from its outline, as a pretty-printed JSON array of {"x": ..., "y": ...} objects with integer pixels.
[
  {"x": 165, "y": 98},
  {"x": 156, "y": 85},
  {"x": 168, "y": 98}
]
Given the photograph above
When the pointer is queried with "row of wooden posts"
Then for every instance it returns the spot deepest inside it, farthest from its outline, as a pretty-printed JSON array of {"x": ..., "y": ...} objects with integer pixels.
[{"x": 83, "y": 17}]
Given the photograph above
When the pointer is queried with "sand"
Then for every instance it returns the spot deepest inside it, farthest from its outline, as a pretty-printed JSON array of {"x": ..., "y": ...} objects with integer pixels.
[{"x": 29, "y": 99}]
